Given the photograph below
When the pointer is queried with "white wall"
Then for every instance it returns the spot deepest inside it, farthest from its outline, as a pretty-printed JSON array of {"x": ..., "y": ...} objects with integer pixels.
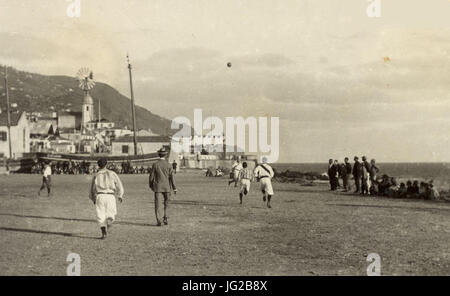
[{"x": 20, "y": 139}]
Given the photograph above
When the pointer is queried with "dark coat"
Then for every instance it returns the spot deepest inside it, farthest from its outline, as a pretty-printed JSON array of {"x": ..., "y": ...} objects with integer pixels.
[
  {"x": 161, "y": 177},
  {"x": 357, "y": 170},
  {"x": 348, "y": 168},
  {"x": 333, "y": 171}
]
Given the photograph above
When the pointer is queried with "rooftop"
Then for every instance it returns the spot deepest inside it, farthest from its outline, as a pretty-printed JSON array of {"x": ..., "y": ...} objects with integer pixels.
[
  {"x": 144, "y": 139},
  {"x": 15, "y": 117}
]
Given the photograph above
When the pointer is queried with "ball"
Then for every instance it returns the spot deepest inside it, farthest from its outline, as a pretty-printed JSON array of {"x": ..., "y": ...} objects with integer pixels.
[{"x": 229, "y": 65}]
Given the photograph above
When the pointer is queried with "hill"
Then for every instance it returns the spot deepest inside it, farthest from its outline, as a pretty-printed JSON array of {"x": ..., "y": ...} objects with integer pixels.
[{"x": 42, "y": 93}]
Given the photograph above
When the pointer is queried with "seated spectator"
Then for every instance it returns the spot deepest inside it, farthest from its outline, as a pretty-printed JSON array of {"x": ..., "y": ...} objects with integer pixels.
[
  {"x": 383, "y": 187},
  {"x": 423, "y": 190},
  {"x": 409, "y": 188},
  {"x": 402, "y": 191},
  {"x": 416, "y": 188},
  {"x": 433, "y": 194},
  {"x": 393, "y": 188},
  {"x": 374, "y": 189}
]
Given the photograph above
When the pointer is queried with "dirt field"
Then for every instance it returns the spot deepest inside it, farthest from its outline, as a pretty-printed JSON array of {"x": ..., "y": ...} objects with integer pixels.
[{"x": 309, "y": 231}]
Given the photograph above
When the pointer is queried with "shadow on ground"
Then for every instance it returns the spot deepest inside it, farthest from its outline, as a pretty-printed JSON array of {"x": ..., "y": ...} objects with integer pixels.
[{"x": 48, "y": 232}]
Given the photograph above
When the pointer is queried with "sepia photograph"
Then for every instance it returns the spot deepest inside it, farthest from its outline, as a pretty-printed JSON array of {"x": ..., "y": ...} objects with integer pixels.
[{"x": 236, "y": 140}]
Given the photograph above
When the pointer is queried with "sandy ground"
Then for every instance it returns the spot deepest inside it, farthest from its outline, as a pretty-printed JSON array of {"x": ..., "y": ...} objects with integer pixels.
[{"x": 309, "y": 231}]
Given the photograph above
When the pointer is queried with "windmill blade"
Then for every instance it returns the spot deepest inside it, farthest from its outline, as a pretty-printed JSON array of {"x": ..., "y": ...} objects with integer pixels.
[{"x": 85, "y": 77}]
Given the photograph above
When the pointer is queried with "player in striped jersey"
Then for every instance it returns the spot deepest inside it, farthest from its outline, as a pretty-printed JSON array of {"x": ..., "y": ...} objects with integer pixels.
[{"x": 245, "y": 177}]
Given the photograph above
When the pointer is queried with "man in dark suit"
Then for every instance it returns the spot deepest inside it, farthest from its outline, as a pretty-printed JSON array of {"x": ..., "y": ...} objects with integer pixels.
[
  {"x": 357, "y": 174},
  {"x": 161, "y": 181},
  {"x": 346, "y": 172}
]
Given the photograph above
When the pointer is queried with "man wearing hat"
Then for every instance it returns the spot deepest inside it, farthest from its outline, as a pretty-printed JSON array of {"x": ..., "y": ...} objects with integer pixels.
[
  {"x": 105, "y": 186},
  {"x": 161, "y": 181},
  {"x": 357, "y": 174},
  {"x": 46, "y": 178},
  {"x": 264, "y": 174}
]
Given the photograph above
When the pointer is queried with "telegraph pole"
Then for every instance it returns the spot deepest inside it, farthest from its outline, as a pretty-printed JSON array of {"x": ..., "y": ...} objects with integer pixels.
[
  {"x": 133, "y": 114},
  {"x": 7, "y": 112}
]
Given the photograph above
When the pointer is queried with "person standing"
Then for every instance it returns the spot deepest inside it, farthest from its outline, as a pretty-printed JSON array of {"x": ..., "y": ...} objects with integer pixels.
[
  {"x": 161, "y": 182},
  {"x": 331, "y": 174},
  {"x": 373, "y": 173},
  {"x": 245, "y": 177},
  {"x": 347, "y": 171},
  {"x": 46, "y": 178},
  {"x": 365, "y": 178},
  {"x": 264, "y": 174},
  {"x": 174, "y": 166},
  {"x": 337, "y": 167},
  {"x": 357, "y": 174},
  {"x": 105, "y": 186}
]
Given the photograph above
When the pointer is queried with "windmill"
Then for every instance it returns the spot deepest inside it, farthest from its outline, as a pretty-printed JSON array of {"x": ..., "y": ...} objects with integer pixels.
[{"x": 85, "y": 79}]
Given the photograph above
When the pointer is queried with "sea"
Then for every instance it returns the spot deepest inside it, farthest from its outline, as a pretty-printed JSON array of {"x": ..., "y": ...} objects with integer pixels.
[{"x": 439, "y": 172}]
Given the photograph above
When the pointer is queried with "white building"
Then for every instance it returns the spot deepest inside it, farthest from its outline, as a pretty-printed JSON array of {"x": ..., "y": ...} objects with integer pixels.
[{"x": 20, "y": 135}]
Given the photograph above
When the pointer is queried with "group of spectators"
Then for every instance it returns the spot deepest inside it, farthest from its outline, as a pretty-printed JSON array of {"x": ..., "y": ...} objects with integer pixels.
[
  {"x": 367, "y": 182},
  {"x": 83, "y": 167}
]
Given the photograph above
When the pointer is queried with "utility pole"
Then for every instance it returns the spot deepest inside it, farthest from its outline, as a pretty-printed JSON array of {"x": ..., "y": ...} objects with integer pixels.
[
  {"x": 7, "y": 112},
  {"x": 132, "y": 107},
  {"x": 99, "y": 111}
]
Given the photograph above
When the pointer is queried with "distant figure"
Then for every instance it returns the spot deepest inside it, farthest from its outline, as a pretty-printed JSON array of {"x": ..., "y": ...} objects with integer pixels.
[
  {"x": 174, "y": 166},
  {"x": 365, "y": 178},
  {"x": 415, "y": 188},
  {"x": 409, "y": 188},
  {"x": 402, "y": 191},
  {"x": 329, "y": 172},
  {"x": 264, "y": 174},
  {"x": 333, "y": 174},
  {"x": 423, "y": 189},
  {"x": 373, "y": 173},
  {"x": 383, "y": 186},
  {"x": 105, "y": 186},
  {"x": 346, "y": 172},
  {"x": 245, "y": 177},
  {"x": 337, "y": 167},
  {"x": 357, "y": 174},
  {"x": 433, "y": 192},
  {"x": 46, "y": 178},
  {"x": 162, "y": 182},
  {"x": 393, "y": 188},
  {"x": 235, "y": 170}
]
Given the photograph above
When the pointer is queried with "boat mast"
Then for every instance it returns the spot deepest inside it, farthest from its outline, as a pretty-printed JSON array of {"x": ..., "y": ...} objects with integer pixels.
[{"x": 132, "y": 107}]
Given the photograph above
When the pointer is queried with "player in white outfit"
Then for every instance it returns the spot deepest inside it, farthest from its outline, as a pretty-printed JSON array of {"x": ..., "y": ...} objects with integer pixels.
[
  {"x": 235, "y": 169},
  {"x": 105, "y": 186},
  {"x": 264, "y": 173},
  {"x": 46, "y": 178}
]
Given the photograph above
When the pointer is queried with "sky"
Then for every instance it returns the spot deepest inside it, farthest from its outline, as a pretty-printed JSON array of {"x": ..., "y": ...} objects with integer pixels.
[{"x": 341, "y": 83}]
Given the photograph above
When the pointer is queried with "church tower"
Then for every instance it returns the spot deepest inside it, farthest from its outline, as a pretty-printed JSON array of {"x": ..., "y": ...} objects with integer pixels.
[
  {"x": 86, "y": 83},
  {"x": 88, "y": 110}
]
